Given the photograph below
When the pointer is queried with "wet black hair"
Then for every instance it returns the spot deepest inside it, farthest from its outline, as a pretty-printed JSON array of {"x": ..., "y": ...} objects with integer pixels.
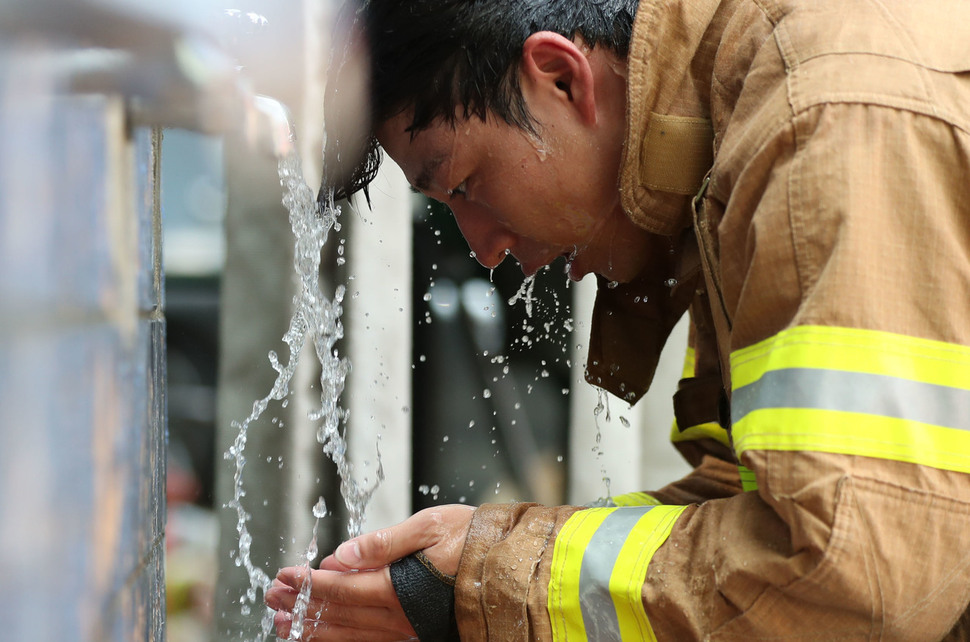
[{"x": 450, "y": 59}]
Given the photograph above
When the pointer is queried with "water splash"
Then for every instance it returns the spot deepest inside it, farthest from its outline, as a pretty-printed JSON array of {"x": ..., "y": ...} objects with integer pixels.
[
  {"x": 525, "y": 294},
  {"x": 602, "y": 403}
]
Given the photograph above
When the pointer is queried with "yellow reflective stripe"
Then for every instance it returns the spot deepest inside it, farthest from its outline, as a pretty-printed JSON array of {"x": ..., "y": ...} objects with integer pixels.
[
  {"x": 630, "y": 571},
  {"x": 708, "y": 430},
  {"x": 853, "y": 434},
  {"x": 635, "y": 499},
  {"x": 854, "y": 350},
  {"x": 563, "y": 603},
  {"x": 599, "y": 565},
  {"x": 856, "y": 392},
  {"x": 748, "y": 480}
]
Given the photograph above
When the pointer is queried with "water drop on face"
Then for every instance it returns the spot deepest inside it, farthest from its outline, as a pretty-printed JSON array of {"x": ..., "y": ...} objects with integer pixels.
[
  {"x": 670, "y": 282},
  {"x": 472, "y": 254},
  {"x": 612, "y": 284}
]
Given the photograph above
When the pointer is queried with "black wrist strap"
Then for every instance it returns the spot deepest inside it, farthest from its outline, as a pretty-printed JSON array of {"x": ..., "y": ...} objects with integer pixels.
[{"x": 427, "y": 596}]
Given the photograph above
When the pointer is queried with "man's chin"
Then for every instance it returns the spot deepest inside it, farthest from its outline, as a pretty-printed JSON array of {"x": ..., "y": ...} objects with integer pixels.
[{"x": 531, "y": 268}]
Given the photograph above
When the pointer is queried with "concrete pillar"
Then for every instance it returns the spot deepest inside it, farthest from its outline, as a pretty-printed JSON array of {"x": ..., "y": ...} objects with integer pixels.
[
  {"x": 82, "y": 393},
  {"x": 379, "y": 338}
]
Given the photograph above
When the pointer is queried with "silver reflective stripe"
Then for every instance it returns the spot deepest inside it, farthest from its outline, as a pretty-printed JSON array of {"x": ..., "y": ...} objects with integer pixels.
[
  {"x": 862, "y": 392},
  {"x": 599, "y": 614}
]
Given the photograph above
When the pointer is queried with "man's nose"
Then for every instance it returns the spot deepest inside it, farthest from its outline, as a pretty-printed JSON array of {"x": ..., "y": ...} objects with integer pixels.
[{"x": 489, "y": 241}]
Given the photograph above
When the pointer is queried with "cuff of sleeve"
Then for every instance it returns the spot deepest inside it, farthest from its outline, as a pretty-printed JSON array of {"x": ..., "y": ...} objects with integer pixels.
[{"x": 504, "y": 571}]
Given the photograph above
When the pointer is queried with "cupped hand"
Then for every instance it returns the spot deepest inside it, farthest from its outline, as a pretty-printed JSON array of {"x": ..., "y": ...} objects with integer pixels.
[{"x": 351, "y": 596}]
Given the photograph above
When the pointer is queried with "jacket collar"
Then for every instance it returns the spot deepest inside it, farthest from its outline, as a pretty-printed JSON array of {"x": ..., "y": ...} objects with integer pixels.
[
  {"x": 669, "y": 143},
  {"x": 668, "y": 149}
]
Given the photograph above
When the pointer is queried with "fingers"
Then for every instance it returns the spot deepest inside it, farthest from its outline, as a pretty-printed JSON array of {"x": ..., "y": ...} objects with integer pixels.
[
  {"x": 348, "y": 616},
  {"x": 360, "y": 588},
  {"x": 343, "y": 606},
  {"x": 321, "y": 631}
]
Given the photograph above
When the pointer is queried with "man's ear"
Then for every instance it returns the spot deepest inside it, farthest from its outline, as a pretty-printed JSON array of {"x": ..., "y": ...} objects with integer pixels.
[{"x": 555, "y": 67}]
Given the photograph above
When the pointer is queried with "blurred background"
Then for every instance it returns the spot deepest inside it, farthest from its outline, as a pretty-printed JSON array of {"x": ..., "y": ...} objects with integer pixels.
[{"x": 466, "y": 383}]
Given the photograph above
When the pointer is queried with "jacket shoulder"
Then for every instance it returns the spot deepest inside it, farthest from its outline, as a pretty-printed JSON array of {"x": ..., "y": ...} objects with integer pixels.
[{"x": 895, "y": 53}]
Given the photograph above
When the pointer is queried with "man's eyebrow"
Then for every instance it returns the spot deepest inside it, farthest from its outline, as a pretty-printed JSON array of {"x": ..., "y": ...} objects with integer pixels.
[{"x": 428, "y": 169}]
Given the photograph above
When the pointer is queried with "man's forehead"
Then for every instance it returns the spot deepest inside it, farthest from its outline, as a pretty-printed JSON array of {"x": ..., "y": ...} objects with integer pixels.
[{"x": 420, "y": 154}]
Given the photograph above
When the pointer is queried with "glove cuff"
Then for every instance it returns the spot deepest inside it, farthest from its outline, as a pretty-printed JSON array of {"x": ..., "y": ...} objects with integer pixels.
[{"x": 427, "y": 596}]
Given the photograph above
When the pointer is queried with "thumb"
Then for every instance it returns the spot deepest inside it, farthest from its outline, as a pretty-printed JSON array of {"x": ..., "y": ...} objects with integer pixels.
[{"x": 382, "y": 547}]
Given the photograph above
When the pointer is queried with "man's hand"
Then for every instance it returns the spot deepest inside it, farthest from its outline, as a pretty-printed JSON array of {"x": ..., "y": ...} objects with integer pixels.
[{"x": 351, "y": 596}]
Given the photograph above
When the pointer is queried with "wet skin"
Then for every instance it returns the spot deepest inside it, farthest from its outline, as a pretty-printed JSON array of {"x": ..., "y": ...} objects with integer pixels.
[{"x": 536, "y": 196}]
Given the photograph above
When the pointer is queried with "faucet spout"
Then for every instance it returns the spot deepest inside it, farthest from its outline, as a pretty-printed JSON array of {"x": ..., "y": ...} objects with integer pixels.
[{"x": 268, "y": 126}]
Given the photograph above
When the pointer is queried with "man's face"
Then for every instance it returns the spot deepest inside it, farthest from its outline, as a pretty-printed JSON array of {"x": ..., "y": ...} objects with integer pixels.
[{"x": 534, "y": 198}]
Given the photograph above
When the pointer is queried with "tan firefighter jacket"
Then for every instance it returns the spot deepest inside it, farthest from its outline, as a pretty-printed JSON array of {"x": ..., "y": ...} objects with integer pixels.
[{"x": 826, "y": 264}]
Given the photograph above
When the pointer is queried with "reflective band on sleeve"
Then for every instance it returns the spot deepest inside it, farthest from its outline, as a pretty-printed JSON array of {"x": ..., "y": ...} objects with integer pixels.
[
  {"x": 855, "y": 392},
  {"x": 599, "y": 565},
  {"x": 635, "y": 499},
  {"x": 710, "y": 430}
]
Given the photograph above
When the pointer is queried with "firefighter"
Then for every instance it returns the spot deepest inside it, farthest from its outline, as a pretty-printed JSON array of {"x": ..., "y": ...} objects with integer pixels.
[{"x": 795, "y": 176}]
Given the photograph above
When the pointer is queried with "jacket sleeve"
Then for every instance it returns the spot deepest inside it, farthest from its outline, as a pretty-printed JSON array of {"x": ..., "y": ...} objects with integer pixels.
[{"x": 849, "y": 294}]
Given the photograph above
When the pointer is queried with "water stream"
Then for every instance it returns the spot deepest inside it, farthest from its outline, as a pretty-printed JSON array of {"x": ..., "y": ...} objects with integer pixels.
[{"x": 316, "y": 319}]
